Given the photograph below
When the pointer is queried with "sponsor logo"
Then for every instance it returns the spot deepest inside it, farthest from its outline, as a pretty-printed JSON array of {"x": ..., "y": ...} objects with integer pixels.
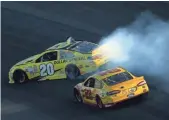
[
  {"x": 124, "y": 92},
  {"x": 130, "y": 95},
  {"x": 69, "y": 60},
  {"x": 132, "y": 89},
  {"x": 32, "y": 69},
  {"x": 109, "y": 72}
]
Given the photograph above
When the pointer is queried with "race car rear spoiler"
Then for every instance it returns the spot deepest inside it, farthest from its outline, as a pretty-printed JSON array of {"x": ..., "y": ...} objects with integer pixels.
[{"x": 69, "y": 41}]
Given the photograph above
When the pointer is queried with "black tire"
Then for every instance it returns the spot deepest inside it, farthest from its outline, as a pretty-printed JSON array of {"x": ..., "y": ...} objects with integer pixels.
[
  {"x": 99, "y": 103},
  {"x": 78, "y": 96},
  {"x": 72, "y": 72},
  {"x": 20, "y": 77}
]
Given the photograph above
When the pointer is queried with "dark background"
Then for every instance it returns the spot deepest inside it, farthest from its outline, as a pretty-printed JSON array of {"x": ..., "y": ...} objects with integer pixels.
[{"x": 30, "y": 27}]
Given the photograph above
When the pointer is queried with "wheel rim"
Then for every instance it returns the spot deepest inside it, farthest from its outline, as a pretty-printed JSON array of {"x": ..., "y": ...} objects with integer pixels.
[
  {"x": 99, "y": 103},
  {"x": 22, "y": 79},
  {"x": 76, "y": 72},
  {"x": 72, "y": 73},
  {"x": 78, "y": 97}
]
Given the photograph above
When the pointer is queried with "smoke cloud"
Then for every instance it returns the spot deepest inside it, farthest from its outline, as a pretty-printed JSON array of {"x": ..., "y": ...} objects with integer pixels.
[{"x": 141, "y": 46}]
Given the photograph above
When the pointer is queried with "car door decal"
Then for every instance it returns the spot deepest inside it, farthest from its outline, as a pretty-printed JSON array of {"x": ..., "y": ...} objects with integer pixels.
[
  {"x": 88, "y": 94},
  {"x": 41, "y": 77},
  {"x": 46, "y": 69}
]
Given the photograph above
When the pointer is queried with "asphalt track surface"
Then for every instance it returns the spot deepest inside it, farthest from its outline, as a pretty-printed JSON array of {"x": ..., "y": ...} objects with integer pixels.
[{"x": 30, "y": 27}]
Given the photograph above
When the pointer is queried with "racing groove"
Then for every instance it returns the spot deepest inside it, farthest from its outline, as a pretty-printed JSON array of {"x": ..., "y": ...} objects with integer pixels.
[{"x": 25, "y": 34}]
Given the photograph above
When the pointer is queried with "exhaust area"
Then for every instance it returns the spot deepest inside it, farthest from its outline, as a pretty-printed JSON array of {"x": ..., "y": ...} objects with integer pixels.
[{"x": 141, "y": 46}]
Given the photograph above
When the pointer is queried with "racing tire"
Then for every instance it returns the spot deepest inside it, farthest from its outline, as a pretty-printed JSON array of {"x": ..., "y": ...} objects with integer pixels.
[
  {"x": 78, "y": 96},
  {"x": 99, "y": 103},
  {"x": 20, "y": 77},
  {"x": 72, "y": 72}
]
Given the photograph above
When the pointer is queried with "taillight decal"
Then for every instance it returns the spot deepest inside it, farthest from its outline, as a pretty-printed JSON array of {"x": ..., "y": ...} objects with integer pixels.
[{"x": 141, "y": 83}]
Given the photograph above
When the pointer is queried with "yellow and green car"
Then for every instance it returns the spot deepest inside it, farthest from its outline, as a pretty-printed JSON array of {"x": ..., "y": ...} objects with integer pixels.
[{"x": 68, "y": 59}]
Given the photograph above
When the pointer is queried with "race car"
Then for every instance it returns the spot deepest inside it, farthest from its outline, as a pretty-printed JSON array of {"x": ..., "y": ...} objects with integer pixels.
[
  {"x": 106, "y": 88},
  {"x": 68, "y": 59}
]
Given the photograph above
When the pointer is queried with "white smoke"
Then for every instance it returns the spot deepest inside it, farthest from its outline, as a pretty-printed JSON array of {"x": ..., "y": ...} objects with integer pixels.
[{"x": 142, "y": 45}]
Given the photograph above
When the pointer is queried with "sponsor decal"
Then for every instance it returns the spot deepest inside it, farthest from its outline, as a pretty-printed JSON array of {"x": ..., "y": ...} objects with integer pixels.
[
  {"x": 133, "y": 89},
  {"x": 130, "y": 95},
  {"x": 80, "y": 66},
  {"x": 69, "y": 60},
  {"x": 46, "y": 69},
  {"x": 103, "y": 93},
  {"x": 44, "y": 77},
  {"x": 87, "y": 66},
  {"x": 32, "y": 69},
  {"x": 62, "y": 72},
  {"x": 109, "y": 72},
  {"x": 108, "y": 105},
  {"x": 124, "y": 92},
  {"x": 35, "y": 68},
  {"x": 89, "y": 58},
  {"x": 88, "y": 94}
]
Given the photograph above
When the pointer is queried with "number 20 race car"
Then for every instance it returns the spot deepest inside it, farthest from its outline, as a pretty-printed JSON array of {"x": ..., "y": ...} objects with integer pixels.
[
  {"x": 106, "y": 88},
  {"x": 64, "y": 60}
]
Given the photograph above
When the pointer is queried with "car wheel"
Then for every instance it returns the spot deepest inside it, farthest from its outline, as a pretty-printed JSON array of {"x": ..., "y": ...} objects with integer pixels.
[
  {"x": 99, "y": 103},
  {"x": 72, "y": 72},
  {"x": 20, "y": 76},
  {"x": 77, "y": 96}
]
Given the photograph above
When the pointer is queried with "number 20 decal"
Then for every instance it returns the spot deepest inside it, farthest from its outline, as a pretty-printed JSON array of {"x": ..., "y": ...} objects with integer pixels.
[{"x": 46, "y": 69}]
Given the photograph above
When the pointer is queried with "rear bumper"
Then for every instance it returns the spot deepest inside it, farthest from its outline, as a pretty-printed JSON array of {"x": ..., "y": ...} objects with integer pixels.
[
  {"x": 132, "y": 97},
  {"x": 112, "y": 103}
]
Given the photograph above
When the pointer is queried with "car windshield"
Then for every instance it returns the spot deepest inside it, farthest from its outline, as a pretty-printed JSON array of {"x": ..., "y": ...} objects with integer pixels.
[
  {"x": 84, "y": 47},
  {"x": 117, "y": 78}
]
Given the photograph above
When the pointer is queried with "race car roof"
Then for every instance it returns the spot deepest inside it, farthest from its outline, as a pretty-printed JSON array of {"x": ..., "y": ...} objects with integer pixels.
[{"x": 71, "y": 44}]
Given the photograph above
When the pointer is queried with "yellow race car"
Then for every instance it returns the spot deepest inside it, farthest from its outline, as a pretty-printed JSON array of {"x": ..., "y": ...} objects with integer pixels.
[
  {"x": 106, "y": 88},
  {"x": 68, "y": 59}
]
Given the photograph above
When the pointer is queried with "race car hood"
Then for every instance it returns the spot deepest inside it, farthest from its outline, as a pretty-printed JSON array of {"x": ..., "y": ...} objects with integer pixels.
[{"x": 30, "y": 59}]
